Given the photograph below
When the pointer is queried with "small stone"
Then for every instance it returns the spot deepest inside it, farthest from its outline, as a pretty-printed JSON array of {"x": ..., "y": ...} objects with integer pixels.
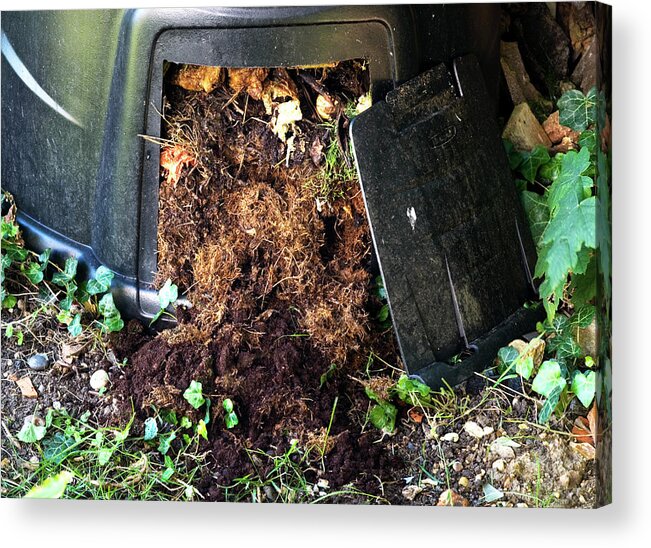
[
  {"x": 522, "y": 505},
  {"x": 502, "y": 450},
  {"x": 464, "y": 481},
  {"x": 99, "y": 379},
  {"x": 38, "y": 362},
  {"x": 524, "y": 130},
  {"x": 473, "y": 429},
  {"x": 499, "y": 465},
  {"x": 411, "y": 491},
  {"x": 581, "y": 499},
  {"x": 556, "y": 132},
  {"x": 457, "y": 466},
  {"x": 564, "y": 480},
  {"x": 488, "y": 430},
  {"x": 451, "y": 436},
  {"x": 34, "y": 459},
  {"x": 523, "y": 426},
  {"x": 56, "y": 405}
]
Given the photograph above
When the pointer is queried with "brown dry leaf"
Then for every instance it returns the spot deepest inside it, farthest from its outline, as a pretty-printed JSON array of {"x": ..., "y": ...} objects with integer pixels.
[
  {"x": 326, "y": 106},
  {"x": 450, "y": 498},
  {"x": 198, "y": 77},
  {"x": 316, "y": 151},
  {"x": 586, "y": 450},
  {"x": 173, "y": 160},
  {"x": 593, "y": 421},
  {"x": 71, "y": 351},
  {"x": 534, "y": 349},
  {"x": 581, "y": 430},
  {"x": 250, "y": 80},
  {"x": 27, "y": 388},
  {"x": 416, "y": 415}
]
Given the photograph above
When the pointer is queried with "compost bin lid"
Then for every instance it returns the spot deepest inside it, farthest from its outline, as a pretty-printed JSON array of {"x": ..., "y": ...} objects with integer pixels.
[{"x": 454, "y": 249}]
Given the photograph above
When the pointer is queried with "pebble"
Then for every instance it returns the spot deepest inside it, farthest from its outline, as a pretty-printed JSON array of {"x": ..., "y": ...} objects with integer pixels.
[
  {"x": 411, "y": 491},
  {"x": 38, "y": 362},
  {"x": 522, "y": 505},
  {"x": 499, "y": 465},
  {"x": 99, "y": 379},
  {"x": 473, "y": 429},
  {"x": 56, "y": 405},
  {"x": 451, "y": 436},
  {"x": 464, "y": 481},
  {"x": 457, "y": 466}
]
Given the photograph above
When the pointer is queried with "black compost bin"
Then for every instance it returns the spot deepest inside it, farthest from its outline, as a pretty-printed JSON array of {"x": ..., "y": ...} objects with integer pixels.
[{"x": 81, "y": 88}]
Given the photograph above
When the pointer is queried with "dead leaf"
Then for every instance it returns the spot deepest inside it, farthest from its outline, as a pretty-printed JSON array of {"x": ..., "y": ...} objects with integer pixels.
[
  {"x": 250, "y": 80},
  {"x": 586, "y": 450},
  {"x": 326, "y": 106},
  {"x": 534, "y": 349},
  {"x": 198, "y": 77},
  {"x": 27, "y": 388},
  {"x": 71, "y": 351},
  {"x": 593, "y": 421},
  {"x": 173, "y": 160},
  {"x": 316, "y": 151},
  {"x": 450, "y": 498},
  {"x": 411, "y": 491},
  {"x": 581, "y": 430},
  {"x": 416, "y": 415}
]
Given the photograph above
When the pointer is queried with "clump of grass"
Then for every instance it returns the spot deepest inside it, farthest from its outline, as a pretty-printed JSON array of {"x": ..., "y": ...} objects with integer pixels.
[{"x": 100, "y": 463}]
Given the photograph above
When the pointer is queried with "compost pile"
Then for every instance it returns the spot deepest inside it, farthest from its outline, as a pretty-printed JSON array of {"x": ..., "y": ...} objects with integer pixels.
[{"x": 262, "y": 225}]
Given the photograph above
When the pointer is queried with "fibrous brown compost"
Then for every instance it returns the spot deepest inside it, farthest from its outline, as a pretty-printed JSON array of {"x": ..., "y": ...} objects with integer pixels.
[{"x": 262, "y": 223}]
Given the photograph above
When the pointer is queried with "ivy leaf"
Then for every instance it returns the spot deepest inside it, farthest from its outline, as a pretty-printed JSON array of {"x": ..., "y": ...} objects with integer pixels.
[
  {"x": 584, "y": 386},
  {"x": 550, "y": 404},
  {"x": 524, "y": 366},
  {"x": 111, "y": 315},
  {"x": 572, "y": 226},
  {"x": 74, "y": 327},
  {"x": 551, "y": 170},
  {"x": 514, "y": 156},
  {"x": 68, "y": 274},
  {"x": 57, "y": 448},
  {"x": 166, "y": 442},
  {"x": 52, "y": 488},
  {"x": 506, "y": 357},
  {"x": 168, "y": 294},
  {"x": 33, "y": 272},
  {"x": 203, "y": 431},
  {"x": 576, "y": 110},
  {"x": 531, "y": 161},
  {"x": 151, "y": 429},
  {"x": 537, "y": 210},
  {"x": 101, "y": 282},
  {"x": 194, "y": 396},
  {"x": 549, "y": 378},
  {"x": 44, "y": 257}
]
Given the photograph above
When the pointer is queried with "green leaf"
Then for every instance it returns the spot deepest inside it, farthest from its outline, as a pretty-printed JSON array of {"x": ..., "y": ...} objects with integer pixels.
[
  {"x": 572, "y": 226},
  {"x": 584, "y": 386},
  {"x": 588, "y": 139},
  {"x": 57, "y": 448},
  {"x": 30, "y": 433},
  {"x": 33, "y": 272},
  {"x": 531, "y": 161},
  {"x": 550, "y": 404},
  {"x": 578, "y": 111},
  {"x": 74, "y": 327},
  {"x": 228, "y": 405},
  {"x": 185, "y": 422},
  {"x": 194, "y": 396},
  {"x": 550, "y": 171},
  {"x": 44, "y": 257},
  {"x": 68, "y": 274},
  {"x": 9, "y": 301},
  {"x": 168, "y": 294},
  {"x": 203, "y": 431},
  {"x": 537, "y": 211},
  {"x": 112, "y": 319},
  {"x": 491, "y": 494},
  {"x": 101, "y": 282},
  {"x": 583, "y": 317},
  {"x": 383, "y": 416},
  {"x": 104, "y": 455},
  {"x": 506, "y": 357},
  {"x": 549, "y": 378},
  {"x": 515, "y": 157},
  {"x": 165, "y": 442},
  {"x": 167, "y": 474},
  {"x": 383, "y": 314},
  {"x": 52, "y": 488},
  {"x": 524, "y": 366},
  {"x": 151, "y": 429},
  {"x": 230, "y": 418}
]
